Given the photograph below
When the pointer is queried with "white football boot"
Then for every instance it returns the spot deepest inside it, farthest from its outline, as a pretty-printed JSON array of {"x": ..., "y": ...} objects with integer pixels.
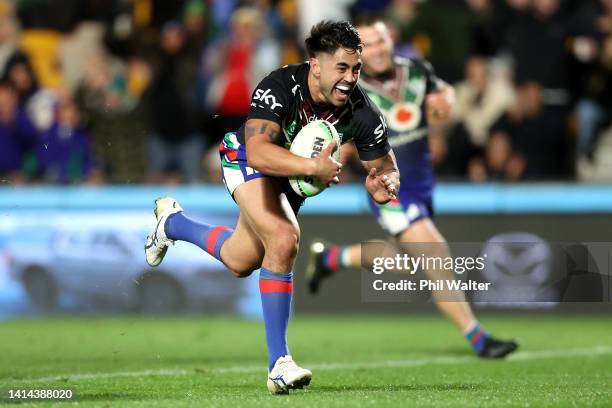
[
  {"x": 157, "y": 242},
  {"x": 286, "y": 375}
]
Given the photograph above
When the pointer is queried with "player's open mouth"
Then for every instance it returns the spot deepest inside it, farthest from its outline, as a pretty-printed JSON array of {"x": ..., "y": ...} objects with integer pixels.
[{"x": 342, "y": 91}]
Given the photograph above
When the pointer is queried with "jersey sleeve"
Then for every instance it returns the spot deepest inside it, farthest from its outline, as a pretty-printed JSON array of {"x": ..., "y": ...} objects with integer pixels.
[
  {"x": 270, "y": 99},
  {"x": 370, "y": 134}
]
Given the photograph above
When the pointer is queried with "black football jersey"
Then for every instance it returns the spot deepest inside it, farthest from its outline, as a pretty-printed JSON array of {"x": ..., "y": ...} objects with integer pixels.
[{"x": 283, "y": 97}]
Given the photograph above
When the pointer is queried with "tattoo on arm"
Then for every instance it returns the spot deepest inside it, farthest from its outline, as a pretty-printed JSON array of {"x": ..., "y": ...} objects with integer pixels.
[
  {"x": 383, "y": 165},
  {"x": 249, "y": 131},
  {"x": 273, "y": 135}
]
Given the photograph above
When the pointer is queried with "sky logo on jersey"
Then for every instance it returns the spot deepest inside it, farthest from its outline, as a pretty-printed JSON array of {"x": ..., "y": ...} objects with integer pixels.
[
  {"x": 267, "y": 98},
  {"x": 380, "y": 129}
]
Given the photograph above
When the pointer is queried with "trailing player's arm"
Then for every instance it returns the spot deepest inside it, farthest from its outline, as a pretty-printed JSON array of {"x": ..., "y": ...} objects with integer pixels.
[
  {"x": 265, "y": 155},
  {"x": 383, "y": 179}
]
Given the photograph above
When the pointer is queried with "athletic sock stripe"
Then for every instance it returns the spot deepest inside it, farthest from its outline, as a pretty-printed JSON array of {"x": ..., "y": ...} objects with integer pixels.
[
  {"x": 476, "y": 337},
  {"x": 475, "y": 329},
  {"x": 268, "y": 275},
  {"x": 211, "y": 241},
  {"x": 275, "y": 286},
  {"x": 223, "y": 236},
  {"x": 332, "y": 258}
]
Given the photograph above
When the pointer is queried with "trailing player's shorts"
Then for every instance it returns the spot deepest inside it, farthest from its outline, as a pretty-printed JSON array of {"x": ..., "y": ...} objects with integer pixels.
[
  {"x": 397, "y": 215},
  {"x": 235, "y": 170}
]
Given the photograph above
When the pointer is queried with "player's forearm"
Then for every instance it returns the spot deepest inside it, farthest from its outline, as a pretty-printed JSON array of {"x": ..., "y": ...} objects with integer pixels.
[
  {"x": 382, "y": 181},
  {"x": 277, "y": 161},
  {"x": 385, "y": 165}
]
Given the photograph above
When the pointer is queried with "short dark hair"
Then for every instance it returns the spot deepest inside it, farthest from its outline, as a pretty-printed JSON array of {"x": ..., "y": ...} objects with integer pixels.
[{"x": 328, "y": 36}]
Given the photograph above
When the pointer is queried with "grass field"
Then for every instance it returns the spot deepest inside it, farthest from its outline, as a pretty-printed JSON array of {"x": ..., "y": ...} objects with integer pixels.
[{"x": 356, "y": 361}]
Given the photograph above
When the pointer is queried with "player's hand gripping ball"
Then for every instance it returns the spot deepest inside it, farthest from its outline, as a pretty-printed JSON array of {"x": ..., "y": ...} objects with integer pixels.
[{"x": 309, "y": 142}]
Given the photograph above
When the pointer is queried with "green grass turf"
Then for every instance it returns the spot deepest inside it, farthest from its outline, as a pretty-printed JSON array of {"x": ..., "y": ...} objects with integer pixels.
[{"x": 434, "y": 366}]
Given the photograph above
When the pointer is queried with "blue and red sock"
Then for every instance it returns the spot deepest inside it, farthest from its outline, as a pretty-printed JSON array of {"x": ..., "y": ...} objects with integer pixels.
[
  {"x": 477, "y": 337},
  {"x": 334, "y": 258},
  {"x": 208, "y": 237},
  {"x": 276, "y": 290}
]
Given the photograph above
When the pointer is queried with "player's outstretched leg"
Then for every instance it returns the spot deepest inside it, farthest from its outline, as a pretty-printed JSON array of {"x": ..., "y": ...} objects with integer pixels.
[
  {"x": 172, "y": 225},
  {"x": 242, "y": 249},
  {"x": 325, "y": 259}
]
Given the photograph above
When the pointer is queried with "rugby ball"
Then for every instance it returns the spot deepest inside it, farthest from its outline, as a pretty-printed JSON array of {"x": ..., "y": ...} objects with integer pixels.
[{"x": 309, "y": 142}]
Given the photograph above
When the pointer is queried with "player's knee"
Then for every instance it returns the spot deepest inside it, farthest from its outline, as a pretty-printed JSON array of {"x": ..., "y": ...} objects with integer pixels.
[{"x": 284, "y": 243}]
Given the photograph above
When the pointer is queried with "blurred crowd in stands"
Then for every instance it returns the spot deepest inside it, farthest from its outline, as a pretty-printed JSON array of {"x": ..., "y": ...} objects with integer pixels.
[{"x": 142, "y": 91}]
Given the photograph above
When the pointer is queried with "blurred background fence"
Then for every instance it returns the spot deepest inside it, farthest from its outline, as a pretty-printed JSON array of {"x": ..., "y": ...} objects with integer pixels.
[{"x": 80, "y": 249}]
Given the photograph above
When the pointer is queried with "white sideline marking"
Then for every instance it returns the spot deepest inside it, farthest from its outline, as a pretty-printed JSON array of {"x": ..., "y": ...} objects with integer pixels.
[{"x": 519, "y": 356}]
